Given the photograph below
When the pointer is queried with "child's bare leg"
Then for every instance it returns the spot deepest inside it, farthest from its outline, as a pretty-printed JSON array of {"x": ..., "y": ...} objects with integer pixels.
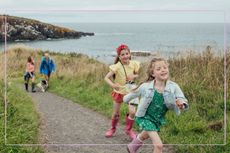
[
  {"x": 143, "y": 135},
  {"x": 116, "y": 110},
  {"x": 156, "y": 140},
  {"x": 132, "y": 111}
]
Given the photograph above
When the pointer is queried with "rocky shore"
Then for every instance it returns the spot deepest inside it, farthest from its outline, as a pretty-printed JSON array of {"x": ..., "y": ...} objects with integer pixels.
[{"x": 22, "y": 29}]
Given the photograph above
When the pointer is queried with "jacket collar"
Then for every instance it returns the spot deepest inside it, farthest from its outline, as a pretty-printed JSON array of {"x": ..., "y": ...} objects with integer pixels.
[
  {"x": 44, "y": 59},
  {"x": 151, "y": 85}
]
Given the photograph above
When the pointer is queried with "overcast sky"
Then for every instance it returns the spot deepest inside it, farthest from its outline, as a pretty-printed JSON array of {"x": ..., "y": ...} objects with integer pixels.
[{"x": 119, "y": 10}]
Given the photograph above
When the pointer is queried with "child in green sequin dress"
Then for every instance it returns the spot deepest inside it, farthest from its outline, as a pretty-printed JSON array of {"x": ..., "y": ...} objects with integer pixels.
[{"x": 156, "y": 93}]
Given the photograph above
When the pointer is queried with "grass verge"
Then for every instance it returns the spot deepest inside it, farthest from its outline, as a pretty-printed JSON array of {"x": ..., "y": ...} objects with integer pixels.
[{"x": 22, "y": 122}]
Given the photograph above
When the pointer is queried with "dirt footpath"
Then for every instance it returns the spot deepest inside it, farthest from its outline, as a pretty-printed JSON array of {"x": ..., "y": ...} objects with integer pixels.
[{"x": 70, "y": 128}]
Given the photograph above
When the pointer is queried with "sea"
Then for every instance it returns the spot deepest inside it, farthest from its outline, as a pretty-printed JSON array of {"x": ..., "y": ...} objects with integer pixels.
[{"x": 168, "y": 39}]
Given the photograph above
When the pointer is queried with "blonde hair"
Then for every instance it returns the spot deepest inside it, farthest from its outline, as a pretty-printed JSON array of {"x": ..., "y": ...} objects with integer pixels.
[{"x": 149, "y": 72}]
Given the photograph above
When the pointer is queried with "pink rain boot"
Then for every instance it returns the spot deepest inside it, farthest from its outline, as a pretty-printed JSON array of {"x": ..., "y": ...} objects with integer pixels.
[
  {"x": 128, "y": 127},
  {"x": 134, "y": 145},
  {"x": 112, "y": 130}
]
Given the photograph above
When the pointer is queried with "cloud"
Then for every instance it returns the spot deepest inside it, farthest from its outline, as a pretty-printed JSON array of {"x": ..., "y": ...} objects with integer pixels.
[
  {"x": 115, "y": 4},
  {"x": 38, "y": 9}
]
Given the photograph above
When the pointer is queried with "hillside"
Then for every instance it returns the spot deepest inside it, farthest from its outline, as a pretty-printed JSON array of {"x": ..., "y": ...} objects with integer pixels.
[
  {"x": 200, "y": 75},
  {"x": 20, "y": 29}
]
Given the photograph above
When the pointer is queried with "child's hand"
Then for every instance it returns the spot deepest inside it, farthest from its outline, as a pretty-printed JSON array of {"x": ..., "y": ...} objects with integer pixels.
[
  {"x": 179, "y": 104},
  {"x": 116, "y": 86}
]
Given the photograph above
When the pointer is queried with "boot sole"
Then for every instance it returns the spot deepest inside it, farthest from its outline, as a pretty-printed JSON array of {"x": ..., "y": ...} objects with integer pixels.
[{"x": 109, "y": 136}]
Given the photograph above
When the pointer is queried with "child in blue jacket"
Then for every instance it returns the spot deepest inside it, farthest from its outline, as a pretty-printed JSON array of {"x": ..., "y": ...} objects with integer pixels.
[{"x": 47, "y": 66}]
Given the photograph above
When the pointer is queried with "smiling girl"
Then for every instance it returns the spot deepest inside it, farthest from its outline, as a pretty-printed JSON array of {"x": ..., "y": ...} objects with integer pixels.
[
  {"x": 123, "y": 71},
  {"x": 157, "y": 95}
]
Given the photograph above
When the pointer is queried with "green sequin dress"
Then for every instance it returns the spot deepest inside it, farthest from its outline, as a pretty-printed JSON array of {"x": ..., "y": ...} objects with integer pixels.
[{"x": 155, "y": 114}]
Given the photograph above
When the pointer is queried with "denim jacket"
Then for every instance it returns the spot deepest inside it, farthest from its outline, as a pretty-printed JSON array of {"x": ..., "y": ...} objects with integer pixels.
[{"x": 146, "y": 92}]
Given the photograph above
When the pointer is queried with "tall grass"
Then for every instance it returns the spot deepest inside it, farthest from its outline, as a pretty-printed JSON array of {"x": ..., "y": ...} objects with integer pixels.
[
  {"x": 200, "y": 75},
  {"x": 22, "y": 122},
  {"x": 22, "y": 118}
]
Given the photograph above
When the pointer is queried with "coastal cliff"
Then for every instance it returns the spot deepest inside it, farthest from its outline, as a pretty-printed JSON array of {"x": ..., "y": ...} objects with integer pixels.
[{"x": 22, "y": 29}]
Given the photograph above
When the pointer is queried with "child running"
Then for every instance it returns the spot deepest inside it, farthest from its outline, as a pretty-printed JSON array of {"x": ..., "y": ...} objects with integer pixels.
[
  {"x": 123, "y": 71},
  {"x": 157, "y": 95}
]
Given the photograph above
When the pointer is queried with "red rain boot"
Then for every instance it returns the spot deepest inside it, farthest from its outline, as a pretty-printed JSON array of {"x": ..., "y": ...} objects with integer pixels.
[
  {"x": 128, "y": 127},
  {"x": 112, "y": 130},
  {"x": 134, "y": 145}
]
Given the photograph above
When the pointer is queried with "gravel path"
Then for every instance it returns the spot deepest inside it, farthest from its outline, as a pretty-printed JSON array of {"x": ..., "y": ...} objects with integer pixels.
[{"x": 68, "y": 127}]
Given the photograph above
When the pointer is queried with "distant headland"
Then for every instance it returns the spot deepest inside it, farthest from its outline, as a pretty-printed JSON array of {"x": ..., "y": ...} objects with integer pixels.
[{"x": 23, "y": 29}]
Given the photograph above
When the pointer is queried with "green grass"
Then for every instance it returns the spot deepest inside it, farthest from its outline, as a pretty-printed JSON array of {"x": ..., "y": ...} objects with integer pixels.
[
  {"x": 202, "y": 84},
  {"x": 22, "y": 122},
  {"x": 199, "y": 75},
  {"x": 189, "y": 128}
]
